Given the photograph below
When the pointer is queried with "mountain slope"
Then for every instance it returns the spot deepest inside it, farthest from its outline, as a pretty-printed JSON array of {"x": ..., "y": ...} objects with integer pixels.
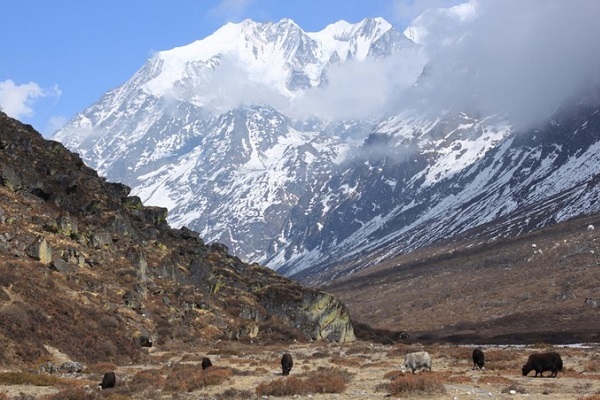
[
  {"x": 235, "y": 173},
  {"x": 538, "y": 287},
  {"x": 90, "y": 271},
  {"x": 518, "y": 181}
]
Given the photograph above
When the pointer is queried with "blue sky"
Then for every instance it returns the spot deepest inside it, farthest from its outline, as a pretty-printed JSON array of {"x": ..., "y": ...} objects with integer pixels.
[{"x": 58, "y": 57}]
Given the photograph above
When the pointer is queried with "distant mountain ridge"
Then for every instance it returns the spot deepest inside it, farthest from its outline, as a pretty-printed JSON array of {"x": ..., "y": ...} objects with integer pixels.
[{"x": 210, "y": 131}]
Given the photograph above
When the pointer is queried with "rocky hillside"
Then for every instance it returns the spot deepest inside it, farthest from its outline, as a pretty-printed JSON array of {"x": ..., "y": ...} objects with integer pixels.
[{"x": 89, "y": 271}]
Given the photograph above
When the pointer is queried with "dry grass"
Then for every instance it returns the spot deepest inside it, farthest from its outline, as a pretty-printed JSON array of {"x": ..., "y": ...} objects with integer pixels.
[
  {"x": 346, "y": 361},
  {"x": 324, "y": 380},
  {"x": 289, "y": 386},
  {"x": 250, "y": 374},
  {"x": 149, "y": 378},
  {"x": 234, "y": 394},
  {"x": 100, "y": 368},
  {"x": 590, "y": 397},
  {"x": 27, "y": 378},
  {"x": 187, "y": 378},
  {"x": 459, "y": 379},
  {"x": 592, "y": 365},
  {"x": 419, "y": 384}
]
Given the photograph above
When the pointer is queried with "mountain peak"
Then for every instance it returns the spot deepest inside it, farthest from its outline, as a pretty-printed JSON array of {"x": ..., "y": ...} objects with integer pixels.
[{"x": 279, "y": 56}]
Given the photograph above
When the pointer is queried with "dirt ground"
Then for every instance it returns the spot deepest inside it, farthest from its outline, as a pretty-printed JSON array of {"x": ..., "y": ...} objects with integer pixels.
[{"x": 369, "y": 367}]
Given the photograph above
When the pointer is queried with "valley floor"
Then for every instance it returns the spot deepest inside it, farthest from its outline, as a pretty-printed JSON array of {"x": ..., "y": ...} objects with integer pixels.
[{"x": 240, "y": 370}]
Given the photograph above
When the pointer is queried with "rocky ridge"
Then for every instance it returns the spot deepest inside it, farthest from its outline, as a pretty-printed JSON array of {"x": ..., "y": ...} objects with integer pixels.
[{"x": 90, "y": 271}]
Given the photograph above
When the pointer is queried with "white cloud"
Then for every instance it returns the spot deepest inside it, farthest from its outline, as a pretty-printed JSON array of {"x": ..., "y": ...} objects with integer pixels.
[
  {"x": 409, "y": 10},
  {"x": 437, "y": 28},
  {"x": 521, "y": 58},
  {"x": 361, "y": 89},
  {"x": 17, "y": 100}
]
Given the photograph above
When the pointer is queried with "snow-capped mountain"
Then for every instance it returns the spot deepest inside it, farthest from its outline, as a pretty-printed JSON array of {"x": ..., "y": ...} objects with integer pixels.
[
  {"x": 186, "y": 134},
  {"x": 231, "y": 134}
]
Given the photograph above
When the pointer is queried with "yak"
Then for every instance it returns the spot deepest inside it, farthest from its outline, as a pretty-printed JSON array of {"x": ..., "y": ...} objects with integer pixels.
[
  {"x": 417, "y": 360},
  {"x": 108, "y": 381},
  {"x": 478, "y": 359},
  {"x": 286, "y": 364},
  {"x": 206, "y": 362},
  {"x": 540, "y": 362}
]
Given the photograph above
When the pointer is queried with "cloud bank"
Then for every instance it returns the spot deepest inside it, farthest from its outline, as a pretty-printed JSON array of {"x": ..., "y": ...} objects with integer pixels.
[
  {"x": 520, "y": 58},
  {"x": 360, "y": 89},
  {"x": 17, "y": 100}
]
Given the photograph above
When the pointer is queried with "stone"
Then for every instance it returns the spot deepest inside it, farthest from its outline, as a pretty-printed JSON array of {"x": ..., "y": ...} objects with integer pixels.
[{"x": 41, "y": 251}]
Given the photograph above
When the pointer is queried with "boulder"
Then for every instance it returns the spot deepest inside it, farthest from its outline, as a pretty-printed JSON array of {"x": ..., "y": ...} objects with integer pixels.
[{"x": 41, "y": 250}]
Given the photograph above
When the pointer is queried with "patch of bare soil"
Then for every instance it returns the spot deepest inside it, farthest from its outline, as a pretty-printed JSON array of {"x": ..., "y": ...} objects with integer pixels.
[{"x": 369, "y": 369}]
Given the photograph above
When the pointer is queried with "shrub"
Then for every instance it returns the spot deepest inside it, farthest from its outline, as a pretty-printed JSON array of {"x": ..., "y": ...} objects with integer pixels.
[
  {"x": 190, "y": 377},
  {"x": 327, "y": 380},
  {"x": 149, "y": 378},
  {"x": 289, "y": 386},
  {"x": 419, "y": 384},
  {"x": 391, "y": 375},
  {"x": 323, "y": 380}
]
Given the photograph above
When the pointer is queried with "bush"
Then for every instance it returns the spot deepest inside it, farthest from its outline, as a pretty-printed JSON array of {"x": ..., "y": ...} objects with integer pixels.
[
  {"x": 190, "y": 377},
  {"x": 328, "y": 381},
  {"x": 323, "y": 380},
  {"x": 289, "y": 386},
  {"x": 416, "y": 385},
  {"x": 149, "y": 378}
]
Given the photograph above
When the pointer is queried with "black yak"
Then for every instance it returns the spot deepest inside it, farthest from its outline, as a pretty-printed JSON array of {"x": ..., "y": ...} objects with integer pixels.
[
  {"x": 540, "y": 362},
  {"x": 108, "y": 381},
  {"x": 206, "y": 363},
  {"x": 478, "y": 359},
  {"x": 286, "y": 364}
]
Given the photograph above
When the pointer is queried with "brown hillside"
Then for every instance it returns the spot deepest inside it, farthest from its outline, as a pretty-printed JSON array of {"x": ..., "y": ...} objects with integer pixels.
[
  {"x": 87, "y": 272},
  {"x": 526, "y": 289}
]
